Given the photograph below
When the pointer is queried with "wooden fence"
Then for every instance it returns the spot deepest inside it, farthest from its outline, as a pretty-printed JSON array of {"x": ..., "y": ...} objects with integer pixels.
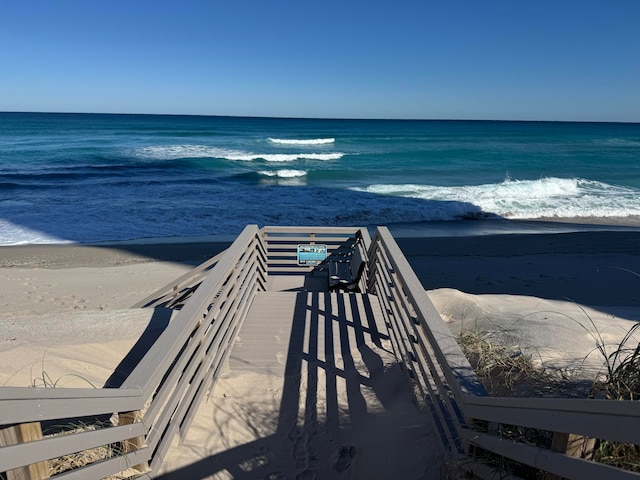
[
  {"x": 158, "y": 400},
  {"x": 475, "y": 429}
]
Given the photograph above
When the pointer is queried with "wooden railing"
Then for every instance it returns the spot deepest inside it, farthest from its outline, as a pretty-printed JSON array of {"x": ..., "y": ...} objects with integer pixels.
[
  {"x": 157, "y": 400},
  {"x": 473, "y": 427},
  {"x": 281, "y": 244},
  {"x": 176, "y": 293}
]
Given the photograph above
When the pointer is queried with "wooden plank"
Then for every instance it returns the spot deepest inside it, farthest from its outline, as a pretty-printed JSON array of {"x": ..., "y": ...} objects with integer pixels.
[
  {"x": 460, "y": 375},
  {"x": 106, "y": 468},
  {"x": 161, "y": 355},
  {"x": 65, "y": 404},
  {"x": 52, "y": 447},
  {"x": 132, "y": 444},
  {"x": 217, "y": 329},
  {"x": 546, "y": 460},
  {"x": 311, "y": 229},
  {"x": 22, "y": 434},
  {"x": 190, "y": 278},
  {"x": 607, "y": 419},
  {"x": 443, "y": 416},
  {"x": 260, "y": 349},
  {"x": 572, "y": 446}
]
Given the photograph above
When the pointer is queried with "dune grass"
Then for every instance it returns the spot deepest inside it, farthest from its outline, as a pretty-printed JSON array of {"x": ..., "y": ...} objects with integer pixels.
[{"x": 507, "y": 371}]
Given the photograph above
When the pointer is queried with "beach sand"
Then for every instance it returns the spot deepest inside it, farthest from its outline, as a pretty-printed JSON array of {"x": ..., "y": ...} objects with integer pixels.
[{"x": 65, "y": 320}]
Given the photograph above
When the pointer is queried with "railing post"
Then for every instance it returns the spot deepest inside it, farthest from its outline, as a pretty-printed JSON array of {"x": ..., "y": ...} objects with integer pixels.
[
  {"x": 571, "y": 445},
  {"x": 135, "y": 443},
  {"x": 23, "y": 433}
]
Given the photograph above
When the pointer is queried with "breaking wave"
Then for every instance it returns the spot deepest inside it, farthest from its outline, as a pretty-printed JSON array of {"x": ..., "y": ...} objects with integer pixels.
[
  {"x": 312, "y": 141},
  {"x": 174, "y": 152},
  {"x": 284, "y": 173},
  {"x": 528, "y": 199}
]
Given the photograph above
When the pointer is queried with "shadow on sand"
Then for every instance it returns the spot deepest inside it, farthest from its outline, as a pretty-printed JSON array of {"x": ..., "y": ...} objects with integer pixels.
[{"x": 346, "y": 408}]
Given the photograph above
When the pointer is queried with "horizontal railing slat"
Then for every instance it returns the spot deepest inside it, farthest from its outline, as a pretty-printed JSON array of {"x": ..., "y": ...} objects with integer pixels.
[
  {"x": 547, "y": 460},
  {"x": 24, "y": 410},
  {"x": 173, "y": 288},
  {"x": 460, "y": 375},
  {"x": 160, "y": 356},
  {"x": 213, "y": 331},
  {"x": 427, "y": 346},
  {"x": 614, "y": 420},
  {"x": 23, "y": 454},
  {"x": 106, "y": 468}
]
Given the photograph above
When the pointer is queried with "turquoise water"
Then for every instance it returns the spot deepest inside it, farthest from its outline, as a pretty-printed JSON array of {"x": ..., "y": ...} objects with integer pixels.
[{"x": 91, "y": 177}]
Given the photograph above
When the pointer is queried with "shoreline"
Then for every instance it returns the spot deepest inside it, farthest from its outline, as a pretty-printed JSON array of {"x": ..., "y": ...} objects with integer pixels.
[
  {"x": 441, "y": 228},
  {"x": 598, "y": 267}
]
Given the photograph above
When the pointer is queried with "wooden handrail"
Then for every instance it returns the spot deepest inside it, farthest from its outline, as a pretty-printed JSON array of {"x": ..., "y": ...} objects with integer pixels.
[
  {"x": 427, "y": 347},
  {"x": 159, "y": 397}
]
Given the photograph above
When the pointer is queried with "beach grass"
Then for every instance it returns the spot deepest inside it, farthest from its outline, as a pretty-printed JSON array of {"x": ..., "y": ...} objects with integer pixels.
[{"x": 506, "y": 371}]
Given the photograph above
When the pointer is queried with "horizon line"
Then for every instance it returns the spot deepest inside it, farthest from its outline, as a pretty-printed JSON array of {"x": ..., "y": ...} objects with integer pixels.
[{"x": 314, "y": 118}]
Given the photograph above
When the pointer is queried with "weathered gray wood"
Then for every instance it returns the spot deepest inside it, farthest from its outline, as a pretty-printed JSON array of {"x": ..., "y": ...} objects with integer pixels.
[
  {"x": 258, "y": 347},
  {"x": 427, "y": 376},
  {"x": 546, "y": 460},
  {"x": 221, "y": 354},
  {"x": 106, "y": 468},
  {"x": 181, "y": 372},
  {"x": 607, "y": 419},
  {"x": 21, "y": 454},
  {"x": 23, "y": 404},
  {"x": 205, "y": 329},
  {"x": 172, "y": 289},
  {"x": 134, "y": 443},
  {"x": 223, "y": 324},
  {"x": 18, "y": 435},
  {"x": 315, "y": 229},
  {"x": 152, "y": 368},
  {"x": 461, "y": 378},
  {"x": 572, "y": 446}
]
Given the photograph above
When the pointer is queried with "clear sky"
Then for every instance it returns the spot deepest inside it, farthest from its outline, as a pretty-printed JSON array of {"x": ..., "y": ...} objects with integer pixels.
[{"x": 442, "y": 59}]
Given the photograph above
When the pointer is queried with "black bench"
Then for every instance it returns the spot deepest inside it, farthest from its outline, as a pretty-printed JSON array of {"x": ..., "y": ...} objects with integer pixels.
[{"x": 345, "y": 267}]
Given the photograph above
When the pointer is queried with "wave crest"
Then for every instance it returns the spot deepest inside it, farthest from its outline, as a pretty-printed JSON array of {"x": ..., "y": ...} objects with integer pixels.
[
  {"x": 311, "y": 141},
  {"x": 284, "y": 173},
  {"x": 174, "y": 152},
  {"x": 284, "y": 157},
  {"x": 527, "y": 199}
]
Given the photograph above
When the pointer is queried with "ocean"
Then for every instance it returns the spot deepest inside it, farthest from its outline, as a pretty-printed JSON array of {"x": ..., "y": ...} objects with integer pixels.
[{"x": 100, "y": 177}]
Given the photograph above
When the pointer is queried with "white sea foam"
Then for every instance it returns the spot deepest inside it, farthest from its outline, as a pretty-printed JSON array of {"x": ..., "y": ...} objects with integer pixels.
[
  {"x": 173, "y": 152},
  {"x": 283, "y": 173},
  {"x": 12, "y": 234},
  {"x": 283, "y": 157},
  {"x": 520, "y": 199},
  {"x": 311, "y": 141}
]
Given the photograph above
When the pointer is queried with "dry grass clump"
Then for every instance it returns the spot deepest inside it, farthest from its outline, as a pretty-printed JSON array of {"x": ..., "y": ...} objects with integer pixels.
[
  {"x": 67, "y": 463},
  {"x": 506, "y": 371},
  {"x": 81, "y": 459},
  {"x": 621, "y": 382}
]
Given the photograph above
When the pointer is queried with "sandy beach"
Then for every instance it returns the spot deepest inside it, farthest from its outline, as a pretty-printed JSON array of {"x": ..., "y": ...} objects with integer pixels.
[{"x": 65, "y": 316}]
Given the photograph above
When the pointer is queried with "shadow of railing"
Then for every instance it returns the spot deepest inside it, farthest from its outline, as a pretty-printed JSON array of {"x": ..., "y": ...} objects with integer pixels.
[{"x": 345, "y": 406}]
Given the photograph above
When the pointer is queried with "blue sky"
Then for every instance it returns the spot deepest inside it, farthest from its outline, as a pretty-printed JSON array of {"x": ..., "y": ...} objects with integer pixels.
[{"x": 467, "y": 59}]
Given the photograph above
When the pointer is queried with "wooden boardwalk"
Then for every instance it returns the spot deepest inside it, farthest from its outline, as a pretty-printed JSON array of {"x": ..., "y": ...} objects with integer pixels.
[
  {"x": 342, "y": 395},
  {"x": 317, "y": 325},
  {"x": 318, "y": 385}
]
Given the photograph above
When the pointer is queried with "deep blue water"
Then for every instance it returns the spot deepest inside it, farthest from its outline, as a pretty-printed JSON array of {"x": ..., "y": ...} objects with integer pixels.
[{"x": 93, "y": 177}]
